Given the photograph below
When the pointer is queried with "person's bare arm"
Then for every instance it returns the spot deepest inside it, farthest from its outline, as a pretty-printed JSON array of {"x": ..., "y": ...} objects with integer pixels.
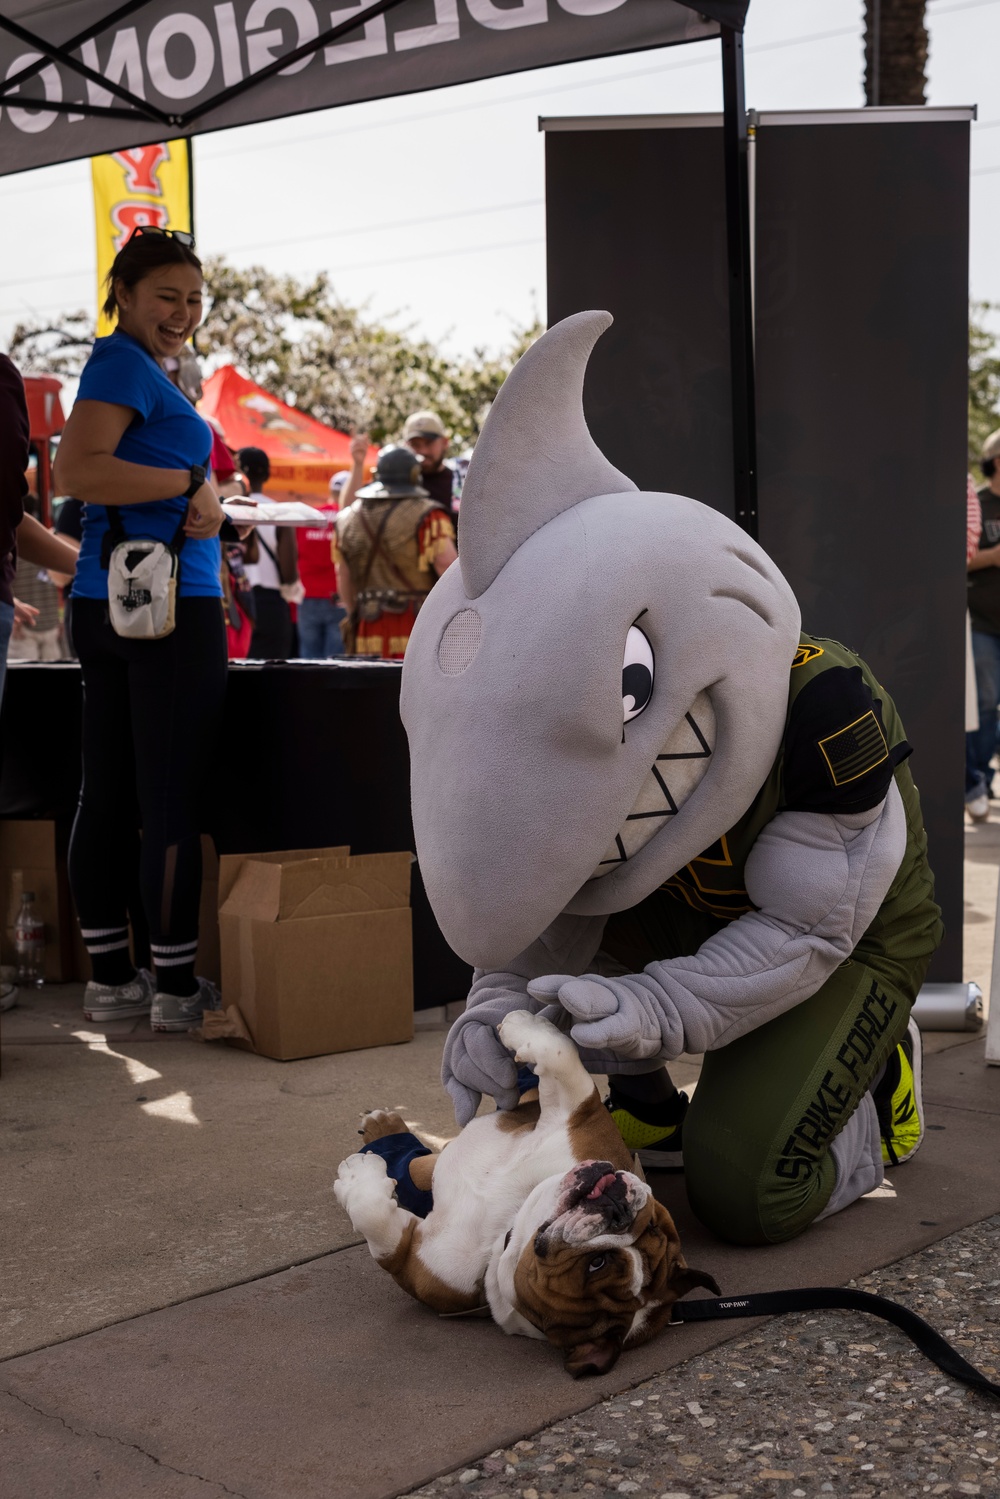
[
  {"x": 345, "y": 587},
  {"x": 86, "y": 467},
  {"x": 37, "y": 545},
  {"x": 61, "y": 579},
  {"x": 447, "y": 553},
  {"x": 25, "y": 616},
  {"x": 359, "y": 452},
  {"x": 988, "y": 557}
]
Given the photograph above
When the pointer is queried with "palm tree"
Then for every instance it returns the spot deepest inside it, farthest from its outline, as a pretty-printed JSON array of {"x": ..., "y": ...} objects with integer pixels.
[{"x": 895, "y": 51}]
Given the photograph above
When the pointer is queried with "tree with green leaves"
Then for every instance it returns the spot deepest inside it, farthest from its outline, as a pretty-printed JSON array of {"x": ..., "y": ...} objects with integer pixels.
[{"x": 301, "y": 343}]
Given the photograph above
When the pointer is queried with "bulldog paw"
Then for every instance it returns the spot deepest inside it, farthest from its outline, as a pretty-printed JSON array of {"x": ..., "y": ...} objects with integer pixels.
[
  {"x": 362, "y": 1177},
  {"x": 378, "y": 1123},
  {"x": 534, "y": 1040}
]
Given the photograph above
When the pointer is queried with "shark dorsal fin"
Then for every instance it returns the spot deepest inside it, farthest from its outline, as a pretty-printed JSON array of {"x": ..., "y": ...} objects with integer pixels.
[{"x": 535, "y": 457}]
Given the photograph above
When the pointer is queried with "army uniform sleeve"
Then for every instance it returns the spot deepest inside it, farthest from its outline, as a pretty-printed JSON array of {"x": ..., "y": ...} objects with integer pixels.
[{"x": 838, "y": 756}]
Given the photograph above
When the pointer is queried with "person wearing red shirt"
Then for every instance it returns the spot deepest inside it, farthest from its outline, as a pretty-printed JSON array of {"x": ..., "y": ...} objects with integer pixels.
[{"x": 320, "y": 612}]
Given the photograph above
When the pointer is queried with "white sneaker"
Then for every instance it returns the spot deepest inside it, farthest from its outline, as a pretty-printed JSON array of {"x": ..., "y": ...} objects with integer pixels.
[
  {"x": 119, "y": 1001},
  {"x": 979, "y": 807},
  {"x": 169, "y": 1013}
]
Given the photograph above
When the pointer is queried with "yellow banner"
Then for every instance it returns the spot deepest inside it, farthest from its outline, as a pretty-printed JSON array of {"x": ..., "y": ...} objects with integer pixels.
[{"x": 145, "y": 185}]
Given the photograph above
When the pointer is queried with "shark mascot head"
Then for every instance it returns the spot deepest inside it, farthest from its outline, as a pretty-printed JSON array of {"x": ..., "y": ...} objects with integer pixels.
[{"x": 597, "y": 691}]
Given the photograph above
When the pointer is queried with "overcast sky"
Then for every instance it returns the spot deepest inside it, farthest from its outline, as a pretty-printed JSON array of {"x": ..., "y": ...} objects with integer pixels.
[{"x": 430, "y": 207}]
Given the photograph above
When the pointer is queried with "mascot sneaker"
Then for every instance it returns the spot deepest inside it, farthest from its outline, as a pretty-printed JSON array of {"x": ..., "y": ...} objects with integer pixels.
[
  {"x": 170, "y": 1013},
  {"x": 655, "y": 1139},
  {"x": 899, "y": 1101},
  {"x": 119, "y": 1001}
]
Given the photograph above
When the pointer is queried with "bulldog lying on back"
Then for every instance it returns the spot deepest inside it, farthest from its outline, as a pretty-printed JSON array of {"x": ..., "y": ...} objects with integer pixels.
[{"x": 537, "y": 1212}]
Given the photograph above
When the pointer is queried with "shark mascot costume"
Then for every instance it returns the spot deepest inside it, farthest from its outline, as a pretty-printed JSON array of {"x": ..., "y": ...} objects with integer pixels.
[{"x": 671, "y": 817}]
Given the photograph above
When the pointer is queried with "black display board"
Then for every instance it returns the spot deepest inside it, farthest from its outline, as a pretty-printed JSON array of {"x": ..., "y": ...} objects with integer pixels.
[
  {"x": 313, "y": 755},
  {"x": 862, "y": 375},
  {"x": 861, "y": 261},
  {"x": 622, "y": 234}
]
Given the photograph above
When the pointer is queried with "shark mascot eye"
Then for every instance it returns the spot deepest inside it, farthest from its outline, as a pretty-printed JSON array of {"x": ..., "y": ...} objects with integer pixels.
[{"x": 637, "y": 673}]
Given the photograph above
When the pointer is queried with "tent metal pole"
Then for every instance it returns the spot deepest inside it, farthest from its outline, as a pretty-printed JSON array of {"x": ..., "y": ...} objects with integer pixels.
[
  {"x": 142, "y": 109},
  {"x": 66, "y": 47},
  {"x": 735, "y": 138}
]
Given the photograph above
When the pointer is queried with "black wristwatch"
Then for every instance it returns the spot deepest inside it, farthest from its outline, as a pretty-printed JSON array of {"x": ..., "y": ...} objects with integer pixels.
[{"x": 197, "y": 480}]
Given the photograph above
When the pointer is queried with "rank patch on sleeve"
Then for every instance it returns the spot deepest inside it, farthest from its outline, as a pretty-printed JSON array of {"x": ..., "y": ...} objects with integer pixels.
[
  {"x": 854, "y": 751},
  {"x": 806, "y": 653}
]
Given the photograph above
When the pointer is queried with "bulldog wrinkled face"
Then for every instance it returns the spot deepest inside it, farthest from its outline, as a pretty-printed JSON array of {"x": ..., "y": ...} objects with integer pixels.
[{"x": 600, "y": 1272}]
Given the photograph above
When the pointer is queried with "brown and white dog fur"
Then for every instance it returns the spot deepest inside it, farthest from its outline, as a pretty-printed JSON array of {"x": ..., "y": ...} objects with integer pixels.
[{"x": 539, "y": 1210}]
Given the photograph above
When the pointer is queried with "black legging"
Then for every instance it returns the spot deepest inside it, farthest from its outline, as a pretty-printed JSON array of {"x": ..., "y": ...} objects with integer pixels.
[{"x": 152, "y": 712}]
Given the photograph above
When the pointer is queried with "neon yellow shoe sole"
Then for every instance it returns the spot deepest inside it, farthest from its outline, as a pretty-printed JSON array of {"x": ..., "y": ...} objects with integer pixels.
[
  {"x": 905, "y": 1110},
  {"x": 657, "y": 1146}
]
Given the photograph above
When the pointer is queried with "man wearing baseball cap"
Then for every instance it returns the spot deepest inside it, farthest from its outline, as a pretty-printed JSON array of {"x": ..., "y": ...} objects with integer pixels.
[
  {"x": 424, "y": 432},
  {"x": 984, "y": 608}
]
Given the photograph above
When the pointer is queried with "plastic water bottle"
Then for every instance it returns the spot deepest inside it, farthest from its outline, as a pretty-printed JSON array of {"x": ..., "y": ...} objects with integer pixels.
[
  {"x": 13, "y": 907},
  {"x": 29, "y": 943}
]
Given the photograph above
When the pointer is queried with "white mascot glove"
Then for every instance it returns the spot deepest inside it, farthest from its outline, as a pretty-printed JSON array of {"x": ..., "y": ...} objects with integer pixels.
[
  {"x": 476, "y": 1061},
  {"x": 615, "y": 1019}
]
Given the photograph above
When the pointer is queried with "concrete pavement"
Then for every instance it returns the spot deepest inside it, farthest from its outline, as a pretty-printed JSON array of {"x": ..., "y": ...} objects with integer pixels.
[{"x": 202, "y": 1320}]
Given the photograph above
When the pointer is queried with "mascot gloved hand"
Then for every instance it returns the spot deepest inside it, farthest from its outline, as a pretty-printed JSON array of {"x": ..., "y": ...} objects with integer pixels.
[
  {"x": 670, "y": 813},
  {"x": 477, "y": 1062},
  {"x": 616, "y": 1019}
]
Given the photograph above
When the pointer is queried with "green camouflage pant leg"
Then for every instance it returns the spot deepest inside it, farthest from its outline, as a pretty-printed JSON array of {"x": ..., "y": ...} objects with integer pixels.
[{"x": 768, "y": 1106}]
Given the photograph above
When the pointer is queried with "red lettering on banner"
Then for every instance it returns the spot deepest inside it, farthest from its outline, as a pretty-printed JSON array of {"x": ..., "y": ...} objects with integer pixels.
[
  {"x": 142, "y": 163},
  {"x": 128, "y": 216}
]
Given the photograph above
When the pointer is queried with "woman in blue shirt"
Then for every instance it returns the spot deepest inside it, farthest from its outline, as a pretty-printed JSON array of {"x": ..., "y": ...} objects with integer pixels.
[{"x": 152, "y": 708}]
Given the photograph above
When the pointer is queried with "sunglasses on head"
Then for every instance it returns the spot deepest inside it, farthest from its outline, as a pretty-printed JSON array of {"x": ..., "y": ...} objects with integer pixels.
[{"x": 180, "y": 235}]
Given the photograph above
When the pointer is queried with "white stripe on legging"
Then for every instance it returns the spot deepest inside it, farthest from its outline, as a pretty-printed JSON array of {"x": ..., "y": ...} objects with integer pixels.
[{"x": 94, "y": 949}]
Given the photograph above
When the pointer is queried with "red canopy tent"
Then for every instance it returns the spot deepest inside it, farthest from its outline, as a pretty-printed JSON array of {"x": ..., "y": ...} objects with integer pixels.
[{"x": 303, "y": 452}]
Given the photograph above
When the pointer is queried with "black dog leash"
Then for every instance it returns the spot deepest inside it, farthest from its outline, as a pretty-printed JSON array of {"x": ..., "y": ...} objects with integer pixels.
[{"x": 821, "y": 1298}]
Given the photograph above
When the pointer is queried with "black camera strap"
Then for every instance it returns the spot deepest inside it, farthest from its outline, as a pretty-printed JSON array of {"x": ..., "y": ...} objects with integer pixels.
[{"x": 822, "y": 1298}]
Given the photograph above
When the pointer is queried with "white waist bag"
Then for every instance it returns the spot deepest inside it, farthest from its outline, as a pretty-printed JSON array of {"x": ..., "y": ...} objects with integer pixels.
[{"x": 143, "y": 575}]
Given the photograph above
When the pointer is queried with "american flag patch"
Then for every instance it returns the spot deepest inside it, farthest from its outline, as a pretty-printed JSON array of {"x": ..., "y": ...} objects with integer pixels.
[{"x": 854, "y": 751}]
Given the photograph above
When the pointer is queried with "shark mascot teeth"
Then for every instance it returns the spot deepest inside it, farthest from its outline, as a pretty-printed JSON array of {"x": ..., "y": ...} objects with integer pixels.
[{"x": 644, "y": 800}]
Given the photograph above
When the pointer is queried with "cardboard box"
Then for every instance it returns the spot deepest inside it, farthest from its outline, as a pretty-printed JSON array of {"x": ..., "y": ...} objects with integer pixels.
[
  {"x": 317, "y": 951},
  {"x": 38, "y": 849}
]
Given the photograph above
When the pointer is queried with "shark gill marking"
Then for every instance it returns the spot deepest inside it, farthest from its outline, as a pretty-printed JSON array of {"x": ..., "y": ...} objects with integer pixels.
[
  {"x": 747, "y": 599},
  {"x": 754, "y": 563}
]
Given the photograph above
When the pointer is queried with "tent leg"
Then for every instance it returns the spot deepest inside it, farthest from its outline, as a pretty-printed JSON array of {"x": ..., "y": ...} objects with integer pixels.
[{"x": 735, "y": 137}]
